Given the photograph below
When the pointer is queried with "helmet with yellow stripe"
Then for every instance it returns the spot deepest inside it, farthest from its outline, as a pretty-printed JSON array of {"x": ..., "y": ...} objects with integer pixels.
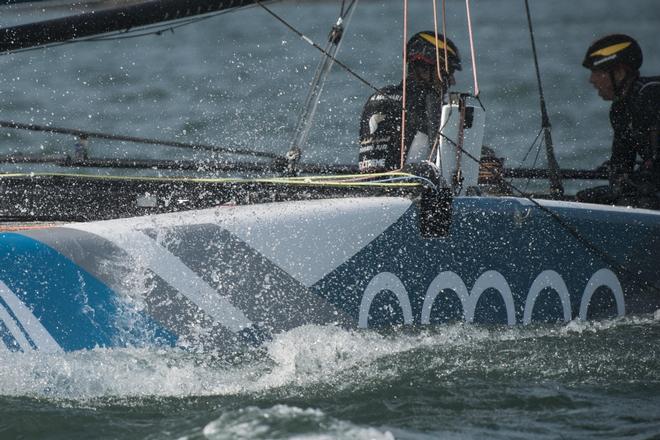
[
  {"x": 421, "y": 48},
  {"x": 612, "y": 50}
]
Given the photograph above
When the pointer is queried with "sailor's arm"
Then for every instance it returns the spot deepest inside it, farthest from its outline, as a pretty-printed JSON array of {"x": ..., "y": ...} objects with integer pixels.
[
  {"x": 650, "y": 126},
  {"x": 654, "y": 144}
]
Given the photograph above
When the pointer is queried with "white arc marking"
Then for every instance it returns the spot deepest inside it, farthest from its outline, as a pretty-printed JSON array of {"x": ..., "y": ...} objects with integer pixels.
[
  {"x": 450, "y": 280},
  {"x": 444, "y": 280},
  {"x": 495, "y": 280},
  {"x": 384, "y": 281},
  {"x": 547, "y": 279},
  {"x": 602, "y": 278}
]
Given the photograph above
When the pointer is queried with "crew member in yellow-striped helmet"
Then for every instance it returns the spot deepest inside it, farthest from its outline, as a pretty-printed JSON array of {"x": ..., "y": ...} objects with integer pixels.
[
  {"x": 422, "y": 49},
  {"x": 614, "y": 61},
  {"x": 429, "y": 77}
]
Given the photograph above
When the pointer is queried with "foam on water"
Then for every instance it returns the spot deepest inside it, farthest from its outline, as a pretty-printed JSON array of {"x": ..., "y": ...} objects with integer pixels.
[
  {"x": 283, "y": 421},
  {"x": 305, "y": 358}
]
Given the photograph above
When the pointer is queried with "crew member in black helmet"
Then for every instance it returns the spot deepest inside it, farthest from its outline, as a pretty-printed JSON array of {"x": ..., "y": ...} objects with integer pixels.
[
  {"x": 380, "y": 126},
  {"x": 614, "y": 62}
]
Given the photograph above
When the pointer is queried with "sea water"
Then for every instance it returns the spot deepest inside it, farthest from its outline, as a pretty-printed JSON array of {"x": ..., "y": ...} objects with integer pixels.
[
  {"x": 579, "y": 380},
  {"x": 239, "y": 79}
]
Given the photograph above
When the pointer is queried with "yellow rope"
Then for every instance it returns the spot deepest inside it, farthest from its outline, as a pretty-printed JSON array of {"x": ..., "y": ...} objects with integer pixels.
[{"x": 342, "y": 180}]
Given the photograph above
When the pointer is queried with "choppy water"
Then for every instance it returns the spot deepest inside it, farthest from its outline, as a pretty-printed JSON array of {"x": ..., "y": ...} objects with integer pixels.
[
  {"x": 581, "y": 380},
  {"x": 238, "y": 79}
]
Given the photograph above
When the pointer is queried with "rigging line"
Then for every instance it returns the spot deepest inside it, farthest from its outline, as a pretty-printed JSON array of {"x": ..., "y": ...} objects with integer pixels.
[
  {"x": 349, "y": 177},
  {"x": 156, "y": 30},
  {"x": 308, "y": 110},
  {"x": 343, "y": 10},
  {"x": 348, "y": 10},
  {"x": 374, "y": 178},
  {"x": 604, "y": 255},
  {"x": 98, "y": 135},
  {"x": 553, "y": 167},
  {"x": 160, "y": 27},
  {"x": 437, "y": 50},
  {"x": 538, "y": 151},
  {"x": 472, "y": 53},
  {"x": 444, "y": 33},
  {"x": 131, "y": 35},
  {"x": 317, "y": 47},
  {"x": 530, "y": 148},
  {"x": 536, "y": 158},
  {"x": 436, "y": 142},
  {"x": 407, "y": 178},
  {"x": 405, "y": 85},
  {"x": 30, "y": 49}
]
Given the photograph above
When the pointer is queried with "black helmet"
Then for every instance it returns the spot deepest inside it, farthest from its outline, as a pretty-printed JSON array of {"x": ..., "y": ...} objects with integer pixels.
[
  {"x": 611, "y": 50},
  {"x": 422, "y": 47}
]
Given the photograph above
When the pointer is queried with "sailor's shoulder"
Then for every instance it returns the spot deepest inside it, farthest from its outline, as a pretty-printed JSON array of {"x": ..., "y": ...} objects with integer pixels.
[
  {"x": 648, "y": 86},
  {"x": 387, "y": 93}
]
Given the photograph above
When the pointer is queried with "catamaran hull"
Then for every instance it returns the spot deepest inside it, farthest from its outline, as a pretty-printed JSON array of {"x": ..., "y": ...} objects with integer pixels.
[{"x": 233, "y": 276}]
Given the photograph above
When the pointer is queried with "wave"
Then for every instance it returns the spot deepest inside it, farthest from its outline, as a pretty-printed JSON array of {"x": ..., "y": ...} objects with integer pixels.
[
  {"x": 326, "y": 360},
  {"x": 284, "y": 422}
]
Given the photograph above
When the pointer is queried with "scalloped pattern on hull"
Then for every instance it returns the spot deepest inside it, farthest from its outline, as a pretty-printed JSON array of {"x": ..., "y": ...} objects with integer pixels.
[{"x": 232, "y": 276}]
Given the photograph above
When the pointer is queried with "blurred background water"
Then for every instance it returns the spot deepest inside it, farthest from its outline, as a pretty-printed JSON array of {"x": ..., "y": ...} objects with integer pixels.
[{"x": 239, "y": 79}]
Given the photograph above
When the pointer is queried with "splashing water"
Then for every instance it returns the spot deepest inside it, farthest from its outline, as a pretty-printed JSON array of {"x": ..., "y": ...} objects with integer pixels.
[{"x": 309, "y": 356}]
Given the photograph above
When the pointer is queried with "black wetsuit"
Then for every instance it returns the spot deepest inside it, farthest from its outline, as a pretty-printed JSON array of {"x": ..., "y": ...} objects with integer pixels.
[
  {"x": 380, "y": 126},
  {"x": 633, "y": 117}
]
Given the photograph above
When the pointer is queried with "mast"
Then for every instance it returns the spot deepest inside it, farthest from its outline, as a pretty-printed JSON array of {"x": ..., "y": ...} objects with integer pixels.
[{"x": 108, "y": 20}]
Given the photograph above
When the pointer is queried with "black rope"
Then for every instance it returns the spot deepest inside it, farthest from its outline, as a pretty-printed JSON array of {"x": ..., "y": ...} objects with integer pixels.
[
  {"x": 319, "y": 48},
  {"x": 536, "y": 159},
  {"x": 542, "y": 173},
  {"x": 348, "y": 9},
  {"x": 133, "y": 139},
  {"x": 531, "y": 147},
  {"x": 159, "y": 29}
]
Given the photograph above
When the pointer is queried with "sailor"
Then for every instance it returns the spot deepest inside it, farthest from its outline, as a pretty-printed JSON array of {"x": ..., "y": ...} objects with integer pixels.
[
  {"x": 426, "y": 87},
  {"x": 614, "y": 61}
]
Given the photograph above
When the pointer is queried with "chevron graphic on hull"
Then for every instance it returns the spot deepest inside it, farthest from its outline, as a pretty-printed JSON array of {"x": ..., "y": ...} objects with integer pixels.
[{"x": 26, "y": 329}]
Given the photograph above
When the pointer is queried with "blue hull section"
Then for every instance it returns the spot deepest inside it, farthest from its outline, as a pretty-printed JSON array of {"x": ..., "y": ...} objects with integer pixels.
[
  {"x": 230, "y": 277},
  {"x": 77, "y": 310}
]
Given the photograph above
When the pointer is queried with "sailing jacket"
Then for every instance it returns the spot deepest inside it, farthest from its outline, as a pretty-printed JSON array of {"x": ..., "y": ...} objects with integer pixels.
[
  {"x": 380, "y": 125},
  {"x": 634, "y": 117}
]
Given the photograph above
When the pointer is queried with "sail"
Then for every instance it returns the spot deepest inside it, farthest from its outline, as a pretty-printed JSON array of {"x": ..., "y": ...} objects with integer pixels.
[{"x": 108, "y": 20}]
